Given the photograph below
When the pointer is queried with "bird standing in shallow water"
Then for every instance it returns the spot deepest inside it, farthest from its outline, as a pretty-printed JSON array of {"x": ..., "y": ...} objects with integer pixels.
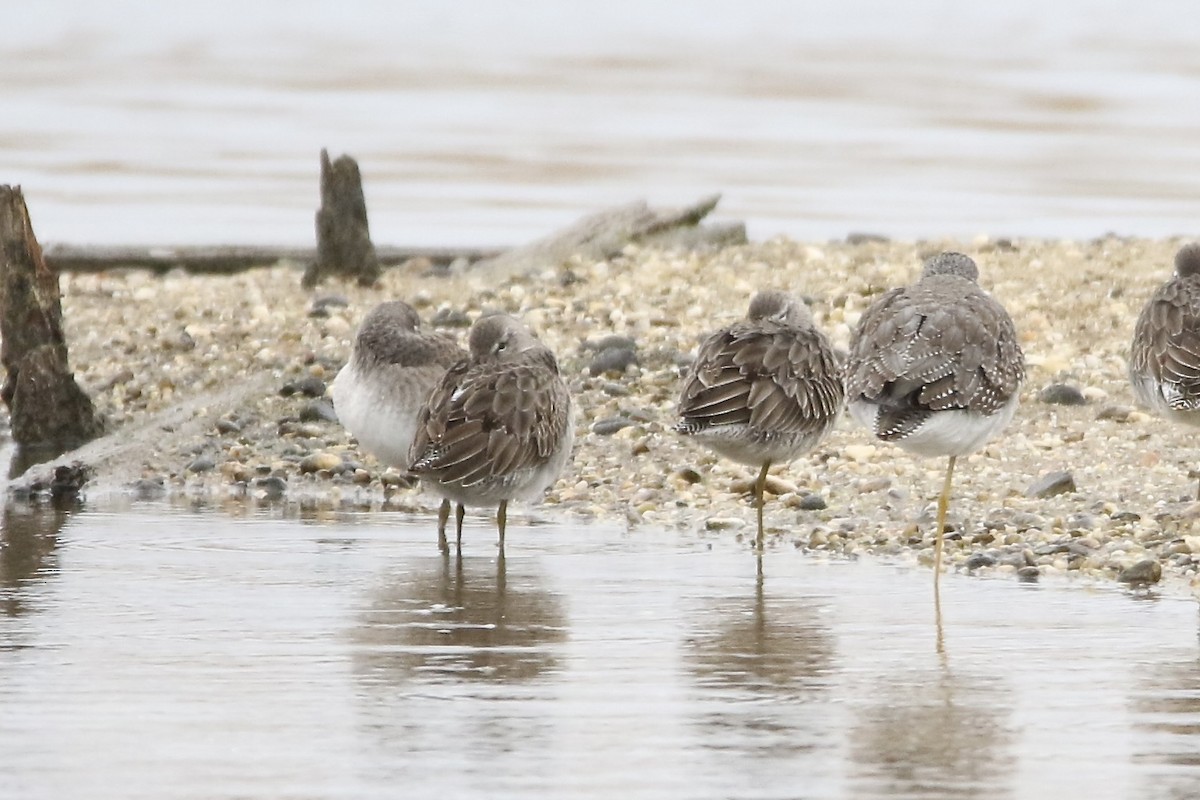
[
  {"x": 500, "y": 424},
  {"x": 1164, "y": 358},
  {"x": 393, "y": 367},
  {"x": 936, "y": 368},
  {"x": 764, "y": 390}
]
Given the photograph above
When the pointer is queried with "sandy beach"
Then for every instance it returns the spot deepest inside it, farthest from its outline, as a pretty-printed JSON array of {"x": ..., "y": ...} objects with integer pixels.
[{"x": 212, "y": 389}]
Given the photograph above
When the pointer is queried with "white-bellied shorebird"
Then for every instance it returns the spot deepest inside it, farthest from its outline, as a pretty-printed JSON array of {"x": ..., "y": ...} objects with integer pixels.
[
  {"x": 393, "y": 367},
  {"x": 500, "y": 424},
  {"x": 1164, "y": 358},
  {"x": 763, "y": 391},
  {"x": 936, "y": 368}
]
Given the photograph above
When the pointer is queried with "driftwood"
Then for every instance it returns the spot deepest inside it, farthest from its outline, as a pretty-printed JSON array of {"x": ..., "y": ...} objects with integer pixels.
[
  {"x": 605, "y": 234},
  {"x": 343, "y": 236},
  {"x": 227, "y": 260},
  {"x": 46, "y": 407}
]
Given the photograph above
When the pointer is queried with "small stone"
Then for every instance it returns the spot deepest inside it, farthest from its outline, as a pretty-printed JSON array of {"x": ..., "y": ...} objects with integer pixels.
[
  {"x": 859, "y": 452},
  {"x": 869, "y": 485},
  {"x": 612, "y": 360},
  {"x": 310, "y": 386},
  {"x": 148, "y": 488},
  {"x": 1051, "y": 484},
  {"x": 607, "y": 427},
  {"x": 723, "y": 523},
  {"x": 812, "y": 502},
  {"x": 320, "y": 461},
  {"x": 318, "y": 411},
  {"x": 1062, "y": 394},
  {"x": 1143, "y": 573},
  {"x": 1115, "y": 413},
  {"x": 614, "y": 389},
  {"x": 689, "y": 475},
  {"x": 779, "y": 486},
  {"x": 321, "y": 305},
  {"x": 225, "y": 426},
  {"x": 979, "y": 560},
  {"x": 1028, "y": 574},
  {"x": 202, "y": 464},
  {"x": 273, "y": 487}
]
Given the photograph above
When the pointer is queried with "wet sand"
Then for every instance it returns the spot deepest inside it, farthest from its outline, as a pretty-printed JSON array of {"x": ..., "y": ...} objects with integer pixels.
[{"x": 189, "y": 371}]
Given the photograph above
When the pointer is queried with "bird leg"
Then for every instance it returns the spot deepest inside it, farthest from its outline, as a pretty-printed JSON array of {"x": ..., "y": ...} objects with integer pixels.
[
  {"x": 502, "y": 520},
  {"x": 459, "y": 513},
  {"x": 943, "y": 506},
  {"x": 760, "y": 498},
  {"x": 443, "y": 518}
]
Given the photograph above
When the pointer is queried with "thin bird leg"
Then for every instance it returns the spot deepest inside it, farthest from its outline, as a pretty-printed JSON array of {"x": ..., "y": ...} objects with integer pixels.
[
  {"x": 759, "y": 488},
  {"x": 443, "y": 518},
  {"x": 502, "y": 521},
  {"x": 459, "y": 513},
  {"x": 943, "y": 506}
]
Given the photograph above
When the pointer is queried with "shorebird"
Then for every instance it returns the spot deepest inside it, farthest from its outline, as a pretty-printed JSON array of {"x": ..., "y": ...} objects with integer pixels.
[
  {"x": 393, "y": 367},
  {"x": 936, "y": 368},
  {"x": 500, "y": 424},
  {"x": 763, "y": 391},
  {"x": 1164, "y": 358}
]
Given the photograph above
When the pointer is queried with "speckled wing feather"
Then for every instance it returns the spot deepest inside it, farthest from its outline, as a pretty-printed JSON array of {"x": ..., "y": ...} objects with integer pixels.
[
  {"x": 484, "y": 422},
  {"x": 1166, "y": 342},
  {"x": 940, "y": 344},
  {"x": 767, "y": 376}
]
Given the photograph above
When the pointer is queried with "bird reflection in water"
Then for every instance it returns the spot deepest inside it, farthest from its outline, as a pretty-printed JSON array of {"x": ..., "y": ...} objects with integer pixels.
[
  {"x": 934, "y": 733},
  {"x": 751, "y": 652},
  {"x": 449, "y": 619},
  {"x": 1165, "y": 703}
]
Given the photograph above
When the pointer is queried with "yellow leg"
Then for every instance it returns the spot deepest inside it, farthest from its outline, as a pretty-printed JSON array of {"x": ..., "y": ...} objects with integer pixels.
[
  {"x": 760, "y": 487},
  {"x": 459, "y": 513},
  {"x": 443, "y": 518},
  {"x": 943, "y": 506},
  {"x": 502, "y": 521}
]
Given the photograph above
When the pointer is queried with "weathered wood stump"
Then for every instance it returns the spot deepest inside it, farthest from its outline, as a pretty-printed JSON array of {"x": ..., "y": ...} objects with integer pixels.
[
  {"x": 47, "y": 408},
  {"x": 343, "y": 236}
]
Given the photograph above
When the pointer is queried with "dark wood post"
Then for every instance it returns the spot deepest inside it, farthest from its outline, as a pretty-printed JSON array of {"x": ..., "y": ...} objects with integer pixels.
[
  {"x": 47, "y": 408},
  {"x": 343, "y": 236}
]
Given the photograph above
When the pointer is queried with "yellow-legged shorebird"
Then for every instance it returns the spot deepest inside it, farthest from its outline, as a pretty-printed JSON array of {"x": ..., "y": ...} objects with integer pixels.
[
  {"x": 763, "y": 391},
  {"x": 500, "y": 424},
  {"x": 936, "y": 368},
  {"x": 1164, "y": 358},
  {"x": 393, "y": 367}
]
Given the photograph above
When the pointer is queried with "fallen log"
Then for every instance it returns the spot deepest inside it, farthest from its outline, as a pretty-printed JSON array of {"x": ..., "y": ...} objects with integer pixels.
[
  {"x": 343, "y": 235},
  {"x": 227, "y": 260},
  {"x": 604, "y": 234}
]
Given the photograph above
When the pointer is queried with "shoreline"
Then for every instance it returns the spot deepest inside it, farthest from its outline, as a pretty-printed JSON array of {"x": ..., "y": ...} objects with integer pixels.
[{"x": 189, "y": 370}]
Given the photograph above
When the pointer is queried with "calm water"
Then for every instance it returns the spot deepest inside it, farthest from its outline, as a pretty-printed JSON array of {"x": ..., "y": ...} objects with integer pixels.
[
  {"x": 491, "y": 123},
  {"x": 161, "y": 654}
]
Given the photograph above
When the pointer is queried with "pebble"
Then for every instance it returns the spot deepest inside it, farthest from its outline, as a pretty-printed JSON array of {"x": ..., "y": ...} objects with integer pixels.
[
  {"x": 609, "y": 426},
  {"x": 225, "y": 426},
  {"x": 320, "y": 461},
  {"x": 1143, "y": 573},
  {"x": 273, "y": 486},
  {"x": 812, "y": 502},
  {"x": 1115, "y": 413},
  {"x": 202, "y": 464},
  {"x": 318, "y": 411},
  {"x": 1051, "y": 484},
  {"x": 1062, "y": 394},
  {"x": 612, "y": 360},
  {"x": 724, "y": 523},
  {"x": 309, "y": 386}
]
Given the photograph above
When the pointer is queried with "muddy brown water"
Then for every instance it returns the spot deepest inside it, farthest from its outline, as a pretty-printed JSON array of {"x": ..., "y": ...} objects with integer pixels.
[{"x": 159, "y": 653}]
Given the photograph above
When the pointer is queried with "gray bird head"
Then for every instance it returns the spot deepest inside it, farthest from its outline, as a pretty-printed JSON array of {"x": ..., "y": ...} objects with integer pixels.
[
  {"x": 777, "y": 306},
  {"x": 950, "y": 263},
  {"x": 499, "y": 337},
  {"x": 1187, "y": 260}
]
